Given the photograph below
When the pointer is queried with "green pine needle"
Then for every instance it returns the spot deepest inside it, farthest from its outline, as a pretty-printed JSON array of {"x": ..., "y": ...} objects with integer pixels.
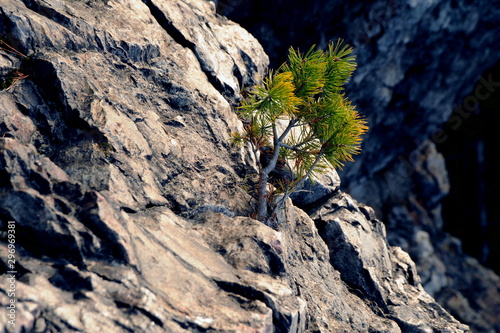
[{"x": 306, "y": 92}]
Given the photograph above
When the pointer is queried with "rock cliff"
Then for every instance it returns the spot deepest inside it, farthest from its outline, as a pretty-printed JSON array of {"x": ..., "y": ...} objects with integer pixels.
[
  {"x": 417, "y": 62},
  {"x": 131, "y": 209}
]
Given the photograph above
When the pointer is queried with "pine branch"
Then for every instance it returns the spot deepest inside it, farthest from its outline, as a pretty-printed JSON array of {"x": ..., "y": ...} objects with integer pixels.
[
  {"x": 287, "y": 130},
  {"x": 298, "y": 185},
  {"x": 306, "y": 90}
]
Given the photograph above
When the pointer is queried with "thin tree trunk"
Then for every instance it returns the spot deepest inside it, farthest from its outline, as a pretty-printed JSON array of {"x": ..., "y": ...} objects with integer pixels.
[
  {"x": 262, "y": 199},
  {"x": 299, "y": 184},
  {"x": 264, "y": 176}
]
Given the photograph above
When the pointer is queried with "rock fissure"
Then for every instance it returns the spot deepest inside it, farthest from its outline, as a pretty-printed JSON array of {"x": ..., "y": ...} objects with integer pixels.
[{"x": 177, "y": 35}]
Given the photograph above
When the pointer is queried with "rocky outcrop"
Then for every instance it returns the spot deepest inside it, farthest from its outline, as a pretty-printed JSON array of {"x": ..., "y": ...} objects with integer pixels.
[
  {"x": 417, "y": 61},
  {"x": 131, "y": 208},
  {"x": 86, "y": 265}
]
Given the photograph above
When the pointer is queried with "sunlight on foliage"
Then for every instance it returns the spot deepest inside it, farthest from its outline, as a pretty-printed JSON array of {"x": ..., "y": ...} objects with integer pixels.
[{"x": 322, "y": 128}]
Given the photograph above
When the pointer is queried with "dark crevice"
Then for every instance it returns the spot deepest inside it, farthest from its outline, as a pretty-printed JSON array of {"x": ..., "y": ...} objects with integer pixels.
[
  {"x": 404, "y": 326},
  {"x": 281, "y": 323},
  {"x": 179, "y": 38},
  {"x": 33, "y": 236},
  {"x": 190, "y": 326},
  {"x": 246, "y": 81},
  {"x": 242, "y": 290},
  {"x": 321, "y": 226},
  {"x": 151, "y": 316},
  {"x": 69, "y": 279},
  {"x": 276, "y": 265},
  {"x": 48, "y": 12},
  {"x": 63, "y": 129},
  {"x": 471, "y": 211},
  {"x": 154, "y": 205},
  {"x": 310, "y": 207},
  {"x": 356, "y": 277},
  {"x": 46, "y": 79},
  {"x": 150, "y": 205},
  {"x": 111, "y": 246},
  {"x": 129, "y": 210},
  {"x": 176, "y": 206},
  {"x": 104, "y": 276},
  {"x": 333, "y": 206},
  {"x": 251, "y": 293},
  {"x": 122, "y": 325}
]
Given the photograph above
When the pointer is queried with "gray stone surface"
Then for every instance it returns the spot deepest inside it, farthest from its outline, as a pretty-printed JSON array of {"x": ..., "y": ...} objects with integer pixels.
[{"x": 132, "y": 208}]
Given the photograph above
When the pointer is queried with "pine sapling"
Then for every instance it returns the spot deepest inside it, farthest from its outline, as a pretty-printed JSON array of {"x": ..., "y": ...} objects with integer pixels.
[{"x": 321, "y": 127}]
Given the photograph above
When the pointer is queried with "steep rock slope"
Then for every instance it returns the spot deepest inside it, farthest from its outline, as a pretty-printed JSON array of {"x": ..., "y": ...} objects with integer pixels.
[
  {"x": 130, "y": 206},
  {"x": 417, "y": 61}
]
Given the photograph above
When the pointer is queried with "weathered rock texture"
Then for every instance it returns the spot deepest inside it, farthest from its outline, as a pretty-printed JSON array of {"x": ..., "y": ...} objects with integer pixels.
[
  {"x": 131, "y": 207},
  {"x": 417, "y": 61}
]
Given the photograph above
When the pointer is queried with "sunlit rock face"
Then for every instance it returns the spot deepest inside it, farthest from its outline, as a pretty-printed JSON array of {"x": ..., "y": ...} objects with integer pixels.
[{"x": 132, "y": 210}]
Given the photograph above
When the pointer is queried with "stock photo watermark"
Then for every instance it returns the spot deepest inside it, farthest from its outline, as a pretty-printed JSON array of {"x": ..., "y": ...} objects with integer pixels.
[
  {"x": 408, "y": 166},
  {"x": 483, "y": 91},
  {"x": 11, "y": 273}
]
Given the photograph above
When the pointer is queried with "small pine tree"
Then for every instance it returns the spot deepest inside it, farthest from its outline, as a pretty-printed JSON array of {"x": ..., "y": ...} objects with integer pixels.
[{"x": 322, "y": 129}]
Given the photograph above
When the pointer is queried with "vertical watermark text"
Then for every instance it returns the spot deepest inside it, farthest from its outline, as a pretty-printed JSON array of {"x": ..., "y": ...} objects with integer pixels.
[{"x": 11, "y": 273}]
